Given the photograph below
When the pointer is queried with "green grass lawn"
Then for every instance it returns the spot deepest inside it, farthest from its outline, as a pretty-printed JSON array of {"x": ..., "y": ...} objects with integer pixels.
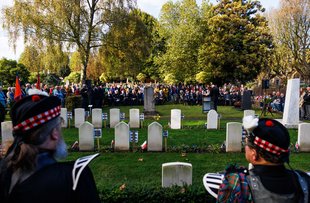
[{"x": 136, "y": 168}]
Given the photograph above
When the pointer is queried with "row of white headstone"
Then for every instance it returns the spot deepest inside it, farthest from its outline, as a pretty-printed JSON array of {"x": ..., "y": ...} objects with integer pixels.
[
  {"x": 114, "y": 119},
  {"x": 122, "y": 137}
]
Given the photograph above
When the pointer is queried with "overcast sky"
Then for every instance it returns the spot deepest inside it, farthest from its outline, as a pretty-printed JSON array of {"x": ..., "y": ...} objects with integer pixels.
[{"x": 149, "y": 6}]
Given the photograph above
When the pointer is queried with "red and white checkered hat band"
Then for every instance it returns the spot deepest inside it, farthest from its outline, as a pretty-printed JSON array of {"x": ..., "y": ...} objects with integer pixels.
[
  {"x": 38, "y": 119},
  {"x": 268, "y": 146}
]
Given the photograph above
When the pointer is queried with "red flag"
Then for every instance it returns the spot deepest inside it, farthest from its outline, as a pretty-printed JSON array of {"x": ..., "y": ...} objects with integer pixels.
[
  {"x": 38, "y": 82},
  {"x": 18, "y": 90}
]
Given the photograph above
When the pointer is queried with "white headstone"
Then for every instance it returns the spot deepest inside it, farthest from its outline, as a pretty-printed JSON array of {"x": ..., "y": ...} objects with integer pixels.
[
  {"x": 212, "y": 119},
  {"x": 121, "y": 137},
  {"x": 114, "y": 117},
  {"x": 155, "y": 137},
  {"x": 233, "y": 137},
  {"x": 64, "y": 116},
  {"x": 248, "y": 113},
  {"x": 291, "y": 107},
  {"x": 175, "y": 119},
  {"x": 304, "y": 137},
  {"x": 176, "y": 173},
  {"x": 96, "y": 116},
  {"x": 134, "y": 120},
  {"x": 86, "y": 137},
  {"x": 79, "y": 117},
  {"x": 6, "y": 135}
]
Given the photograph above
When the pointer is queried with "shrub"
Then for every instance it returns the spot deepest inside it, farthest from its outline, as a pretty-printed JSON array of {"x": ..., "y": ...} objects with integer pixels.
[
  {"x": 155, "y": 194},
  {"x": 73, "y": 102}
]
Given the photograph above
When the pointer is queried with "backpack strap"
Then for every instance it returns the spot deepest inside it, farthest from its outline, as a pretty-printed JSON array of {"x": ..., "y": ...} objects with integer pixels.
[
  {"x": 304, "y": 186},
  {"x": 79, "y": 166}
]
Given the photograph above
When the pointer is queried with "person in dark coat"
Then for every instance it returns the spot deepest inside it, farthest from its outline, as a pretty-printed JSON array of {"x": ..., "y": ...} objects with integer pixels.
[
  {"x": 215, "y": 93},
  {"x": 29, "y": 172}
]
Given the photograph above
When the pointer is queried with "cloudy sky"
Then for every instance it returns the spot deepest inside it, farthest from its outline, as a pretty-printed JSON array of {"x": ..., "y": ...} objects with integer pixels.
[{"x": 150, "y": 6}]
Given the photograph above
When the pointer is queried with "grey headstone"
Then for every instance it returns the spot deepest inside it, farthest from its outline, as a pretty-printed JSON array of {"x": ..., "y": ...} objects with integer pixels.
[
  {"x": 121, "y": 137},
  {"x": 291, "y": 107},
  {"x": 97, "y": 117},
  {"x": 6, "y": 135},
  {"x": 64, "y": 116},
  {"x": 79, "y": 117},
  {"x": 134, "y": 121},
  {"x": 114, "y": 117},
  {"x": 246, "y": 100},
  {"x": 149, "y": 102},
  {"x": 175, "y": 119},
  {"x": 176, "y": 173},
  {"x": 212, "y": 119},
  {"x": 86, "y": 137},
  {"x": 233, "y": 137},
  {"x": 154, "y": 137},
  {"x": 304, "y": 137}
]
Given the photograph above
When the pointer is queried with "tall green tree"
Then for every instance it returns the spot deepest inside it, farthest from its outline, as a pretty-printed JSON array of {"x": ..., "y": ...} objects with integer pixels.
[
  {"x": 31, "y": 58},
  {"x": 290, "y": 26},
  {"x": 9, "y": 69},
  {"x": 181, "y": 27},
  {"x": 239, "y": 44},
  {"x": 126, "y": 46},
  {"x": 73, "y": 24}
]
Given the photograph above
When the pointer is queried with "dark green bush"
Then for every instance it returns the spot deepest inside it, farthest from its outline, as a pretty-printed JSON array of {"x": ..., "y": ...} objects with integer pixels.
[
  {"x": 73, "y": 102},
  {"x": 156, "y": 194}
]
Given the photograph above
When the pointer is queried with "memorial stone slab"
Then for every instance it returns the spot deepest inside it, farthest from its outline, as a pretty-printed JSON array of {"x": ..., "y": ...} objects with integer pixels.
[
  {"x": 86, "y": 137},
  {"x": 97, "y": 117},
  {"x": 291, "y": 107},
  {"x": 176, "y": 173},
  {"x": 134, "y": 121},
  {"x": 6, "y": 135},
  {"x": 79, "y": 117},
  {"x": 114, "y": 117},
  {"x": 154, "y": 137},
  {"x": 149, "y": 102},
  {"x": 304, "y": 137},
  {"x": 246, "y": 100},
  {"x": 121, "y": 137},
  {"x": 212, "y": 119},
  {"x": 233, "y": 137},
  {"x": 64, "y": 116},
  {"x": 175, "y": 119}
]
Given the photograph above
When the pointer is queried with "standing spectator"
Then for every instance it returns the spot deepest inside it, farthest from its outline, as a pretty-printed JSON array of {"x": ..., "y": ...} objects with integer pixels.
[
  {"x": 2, "y": 98},
  {"x": 307, "y": 103},
  {"x": 30, "y": 172},
  {"x": 215, "y": 93}
]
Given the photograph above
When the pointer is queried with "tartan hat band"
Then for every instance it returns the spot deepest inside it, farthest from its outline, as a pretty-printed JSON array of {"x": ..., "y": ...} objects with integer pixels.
[
  {"x": 38, "y": 119},
  {"x": 269, "y": 146}
]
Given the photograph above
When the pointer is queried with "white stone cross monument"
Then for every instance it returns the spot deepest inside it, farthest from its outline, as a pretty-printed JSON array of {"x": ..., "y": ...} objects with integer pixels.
[{"x": 291, "y": 107}]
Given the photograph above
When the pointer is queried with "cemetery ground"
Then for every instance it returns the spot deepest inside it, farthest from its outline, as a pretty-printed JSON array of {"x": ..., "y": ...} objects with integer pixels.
[{"x": 118, "y": 172}]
